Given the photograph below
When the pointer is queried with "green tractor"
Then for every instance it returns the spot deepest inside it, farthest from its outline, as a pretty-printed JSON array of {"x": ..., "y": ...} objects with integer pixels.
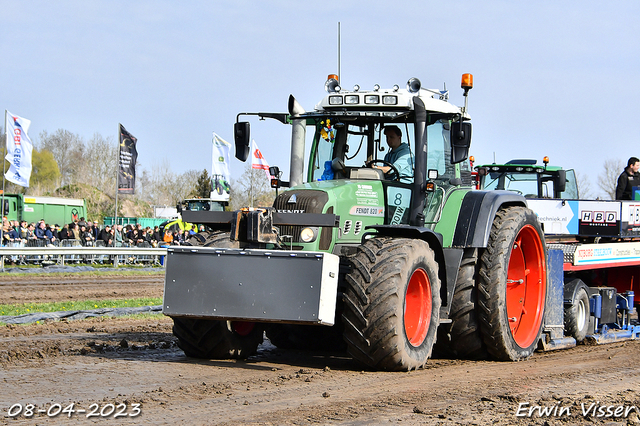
[
  {"x": 530, "y": 179},
  {"x": 387, "y": 256},
  {"x": 191, "y": 204}
]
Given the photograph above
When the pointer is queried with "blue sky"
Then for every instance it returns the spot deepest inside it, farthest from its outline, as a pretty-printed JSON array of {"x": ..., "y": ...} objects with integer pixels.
[{"x": 551, "y": 78}]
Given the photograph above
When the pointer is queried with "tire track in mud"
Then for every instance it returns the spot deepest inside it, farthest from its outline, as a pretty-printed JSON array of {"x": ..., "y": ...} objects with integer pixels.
[
  {"x": 116, "y": 360},
  {"x": 289, "y": 387},
  {"x": 344, "y": 395}
]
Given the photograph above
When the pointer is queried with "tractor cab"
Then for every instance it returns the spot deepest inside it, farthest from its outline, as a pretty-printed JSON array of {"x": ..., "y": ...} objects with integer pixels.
[
  {"x": 376, "y": 155},
  {"x": 526, "y": 177}
]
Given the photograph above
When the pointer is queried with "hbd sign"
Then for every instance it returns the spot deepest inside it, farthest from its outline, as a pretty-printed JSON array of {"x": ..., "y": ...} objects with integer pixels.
[{"x": 598, "y": 217}]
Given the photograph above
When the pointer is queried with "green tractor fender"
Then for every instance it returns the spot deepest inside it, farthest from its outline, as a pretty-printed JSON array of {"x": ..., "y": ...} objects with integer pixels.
[{"x": 477, "y": 213}]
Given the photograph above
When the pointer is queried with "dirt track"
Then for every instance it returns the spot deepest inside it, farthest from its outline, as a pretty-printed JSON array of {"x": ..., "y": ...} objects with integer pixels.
[
  {"x": 28, "y": 288},
  {"x": 124, "y": 361}
]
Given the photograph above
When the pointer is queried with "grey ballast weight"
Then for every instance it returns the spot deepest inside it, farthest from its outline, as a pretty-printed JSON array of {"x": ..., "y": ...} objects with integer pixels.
[{"x": 258, "y": 285}]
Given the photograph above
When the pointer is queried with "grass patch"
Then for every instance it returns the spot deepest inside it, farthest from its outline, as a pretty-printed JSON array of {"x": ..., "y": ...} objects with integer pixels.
[{"x": 82, "y": 305}]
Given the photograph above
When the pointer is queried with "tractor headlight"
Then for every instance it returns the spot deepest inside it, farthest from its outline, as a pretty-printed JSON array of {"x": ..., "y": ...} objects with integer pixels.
[
  {"x": 351, "y": 99},
  {"x": 389, "y": 100},
  {"x": 372, "y": 99},
  {"x": 308, "y": 235}
]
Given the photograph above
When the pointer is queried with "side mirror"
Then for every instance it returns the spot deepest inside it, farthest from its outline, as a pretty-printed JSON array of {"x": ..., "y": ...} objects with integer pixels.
[
  {"x": 560, "y": 181},
  {"x": 460, "y": 141},
  {"x": 242, "y": 134},
  {"x": 179, "y": 207}
]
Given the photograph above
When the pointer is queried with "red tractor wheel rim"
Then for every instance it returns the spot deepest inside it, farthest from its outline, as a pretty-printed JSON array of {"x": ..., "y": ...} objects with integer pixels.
[
  {"x": 243, "y": 328},
  {"x": 417, "y": 308},
  {"x": 526, "y": 286}
]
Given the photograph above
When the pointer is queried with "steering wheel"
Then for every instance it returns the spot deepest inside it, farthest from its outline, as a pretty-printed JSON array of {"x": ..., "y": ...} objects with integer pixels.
[{"x": 393, "y": 174}]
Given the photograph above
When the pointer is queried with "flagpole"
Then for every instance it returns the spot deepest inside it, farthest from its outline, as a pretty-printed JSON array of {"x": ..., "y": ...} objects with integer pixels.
[
  {"x": 4, "y": 167},
  {"x": 115, "y": 215}
]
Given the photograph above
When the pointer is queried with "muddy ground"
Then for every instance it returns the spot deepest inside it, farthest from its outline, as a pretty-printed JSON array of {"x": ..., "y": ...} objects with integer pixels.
[{"x": 135, "y": 364}]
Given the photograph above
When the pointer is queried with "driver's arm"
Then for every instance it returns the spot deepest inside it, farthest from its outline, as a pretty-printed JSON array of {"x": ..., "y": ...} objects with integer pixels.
[{"x": 385, "y": 169}]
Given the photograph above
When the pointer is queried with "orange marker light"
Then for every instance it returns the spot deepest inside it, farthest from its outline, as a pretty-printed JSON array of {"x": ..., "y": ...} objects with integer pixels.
[
  {"x": 467, "y": 81},
  {"x": 545, "y": 160},
  {"x": 333, "y": 76}
]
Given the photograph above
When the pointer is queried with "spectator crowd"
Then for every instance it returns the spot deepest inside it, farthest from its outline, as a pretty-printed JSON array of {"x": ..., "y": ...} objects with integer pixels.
[{"x": 87, "y": 233}]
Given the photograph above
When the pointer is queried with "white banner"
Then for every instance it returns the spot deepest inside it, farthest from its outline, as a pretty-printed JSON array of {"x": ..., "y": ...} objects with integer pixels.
[
  {"x": 19, "y": 149},
  {"x": 220, "y": 176},
  {"x": 257, "y": 159}
]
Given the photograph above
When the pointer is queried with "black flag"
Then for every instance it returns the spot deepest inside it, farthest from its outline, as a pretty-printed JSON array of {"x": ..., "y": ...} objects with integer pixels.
[{"x": 127, "y": 162}]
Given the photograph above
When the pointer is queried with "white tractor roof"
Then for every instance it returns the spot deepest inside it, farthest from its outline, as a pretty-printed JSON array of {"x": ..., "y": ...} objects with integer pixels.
[{"x": 387, "y": 99}]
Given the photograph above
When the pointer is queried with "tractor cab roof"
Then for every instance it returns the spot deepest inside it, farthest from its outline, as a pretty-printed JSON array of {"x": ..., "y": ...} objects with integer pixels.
[
  {"x": 384, "y": 103},
  {"x": 519, "y": 166}
]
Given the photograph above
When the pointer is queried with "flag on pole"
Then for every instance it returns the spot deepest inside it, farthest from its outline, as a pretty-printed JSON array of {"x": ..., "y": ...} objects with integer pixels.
[
  {"x": 19, "y": 149},
  {"x": 220, "y": 175},
  {"x": 257, "y": 159},
  {"x": 127, "y": 162}
]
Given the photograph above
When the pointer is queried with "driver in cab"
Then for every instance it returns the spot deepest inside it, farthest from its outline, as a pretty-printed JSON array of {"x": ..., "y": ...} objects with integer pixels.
[{"x": 399, "y": 155}]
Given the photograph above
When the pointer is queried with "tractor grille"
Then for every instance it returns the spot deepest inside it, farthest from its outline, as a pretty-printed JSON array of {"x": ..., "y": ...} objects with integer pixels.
[{"x": 302, "y": 201}]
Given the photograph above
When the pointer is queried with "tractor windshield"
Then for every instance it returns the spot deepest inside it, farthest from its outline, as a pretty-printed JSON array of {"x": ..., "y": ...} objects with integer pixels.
[
  {"x": 203, "y": 205},
  {"x": 539, "y": 184},
  {"x": 522, "y": 183},
  {"x": 341, "y": 149}
]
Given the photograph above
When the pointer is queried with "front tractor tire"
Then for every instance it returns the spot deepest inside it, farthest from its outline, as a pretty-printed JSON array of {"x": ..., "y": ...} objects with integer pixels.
[
  {"x": 216, "y": 339},
  {"x": 392, "y": 304},
  {"x": 512, "y": 285}
]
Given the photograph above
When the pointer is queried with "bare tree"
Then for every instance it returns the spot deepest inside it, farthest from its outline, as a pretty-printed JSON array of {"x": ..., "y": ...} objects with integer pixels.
[
  {"x": 253, "y": 188},
  {"x": 183, "y": 186},
  {"x": 99, "y": 164},
  {"x": 161, "y": 186},
  {"x": 608, "y": 179},
  {"x": 68, "y": 151},
  {"x": 154, "y": 182},
  {"x": 584, "y": 186}
]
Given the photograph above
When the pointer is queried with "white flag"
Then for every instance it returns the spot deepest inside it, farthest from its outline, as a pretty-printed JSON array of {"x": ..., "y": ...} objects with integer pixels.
[
  {"x": 257, "y": 159},
  {"x": 220, "y": 175},
  {"x": 19, "y": 149}
]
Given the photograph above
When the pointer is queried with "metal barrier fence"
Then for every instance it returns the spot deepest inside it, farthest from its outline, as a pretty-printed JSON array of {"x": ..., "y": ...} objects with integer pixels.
[{"x": 72, "y": 251}]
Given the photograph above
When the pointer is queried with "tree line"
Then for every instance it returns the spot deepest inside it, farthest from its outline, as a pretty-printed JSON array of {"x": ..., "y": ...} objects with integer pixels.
[{"x": 67, "y": 165}]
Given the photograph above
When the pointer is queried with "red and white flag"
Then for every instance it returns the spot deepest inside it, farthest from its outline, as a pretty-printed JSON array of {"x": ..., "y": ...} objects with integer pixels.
[{"x": 257, "y": 159}]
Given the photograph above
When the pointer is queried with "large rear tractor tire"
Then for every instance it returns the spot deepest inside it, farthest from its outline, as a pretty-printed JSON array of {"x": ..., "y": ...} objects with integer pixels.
[
  {"x": 464, "y": 339},
  {"x": 216, "y": 339},
  {"x": 512, "y": 285},
  {"x": 392, "y": 304}
]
